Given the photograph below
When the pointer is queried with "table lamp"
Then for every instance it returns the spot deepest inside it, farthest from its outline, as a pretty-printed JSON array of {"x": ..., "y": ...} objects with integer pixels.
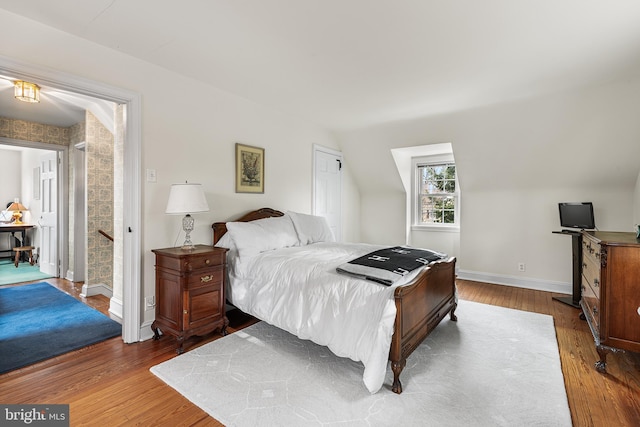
[
  {"x": 16, "y": 207},
  {"x": 186, "y": 199}
]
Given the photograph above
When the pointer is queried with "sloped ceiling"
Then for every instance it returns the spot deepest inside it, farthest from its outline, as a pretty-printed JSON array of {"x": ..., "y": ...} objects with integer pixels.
[{"x": 354, "y": 63}]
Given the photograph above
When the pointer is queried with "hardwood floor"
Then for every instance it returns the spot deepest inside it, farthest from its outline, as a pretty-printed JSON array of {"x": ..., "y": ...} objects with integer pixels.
[{"x": 109, "y": 384}]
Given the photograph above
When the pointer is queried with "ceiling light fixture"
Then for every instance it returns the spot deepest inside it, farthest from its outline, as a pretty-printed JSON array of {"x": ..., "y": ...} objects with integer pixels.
[{"x": 27, "y": 92}]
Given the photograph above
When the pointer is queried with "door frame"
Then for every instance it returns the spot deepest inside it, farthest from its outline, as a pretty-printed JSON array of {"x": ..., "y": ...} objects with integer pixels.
[
  {"x": 132, "y": 258},
  {"x": 79, "y": 186}
]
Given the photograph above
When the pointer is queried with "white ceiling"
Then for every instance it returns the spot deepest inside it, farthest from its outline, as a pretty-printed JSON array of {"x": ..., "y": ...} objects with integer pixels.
[{"x": 352, "y": 63}]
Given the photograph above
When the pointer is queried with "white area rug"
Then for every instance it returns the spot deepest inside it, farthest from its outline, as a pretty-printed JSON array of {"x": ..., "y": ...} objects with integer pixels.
[{"x": 494, "y": 367}]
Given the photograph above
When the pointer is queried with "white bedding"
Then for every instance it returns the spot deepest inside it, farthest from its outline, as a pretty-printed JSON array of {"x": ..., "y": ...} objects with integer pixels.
[{"x": 298, "y": 289}]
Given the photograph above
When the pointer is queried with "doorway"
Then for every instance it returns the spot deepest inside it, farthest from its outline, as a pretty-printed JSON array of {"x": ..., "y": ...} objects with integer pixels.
[
  {"x": 327, "y": 187},
  {"x": 131, "y": 221}
]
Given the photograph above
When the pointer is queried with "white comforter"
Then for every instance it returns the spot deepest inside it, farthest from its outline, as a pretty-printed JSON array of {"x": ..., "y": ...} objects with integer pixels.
[{"x": 298, "y": 289}]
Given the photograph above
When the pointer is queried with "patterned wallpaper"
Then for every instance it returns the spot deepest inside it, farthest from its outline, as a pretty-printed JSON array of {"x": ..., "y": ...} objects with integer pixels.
[
  {"x": 35, "y": 132},
  {"x": 99, "y": 157}
]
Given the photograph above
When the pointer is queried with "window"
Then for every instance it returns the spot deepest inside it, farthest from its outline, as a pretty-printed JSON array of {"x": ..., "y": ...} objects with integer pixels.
[{"x": 437, "y": 196}]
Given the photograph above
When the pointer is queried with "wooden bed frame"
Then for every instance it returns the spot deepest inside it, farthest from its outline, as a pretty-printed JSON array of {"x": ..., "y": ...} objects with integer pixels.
[{"x": 421, "y": 304}]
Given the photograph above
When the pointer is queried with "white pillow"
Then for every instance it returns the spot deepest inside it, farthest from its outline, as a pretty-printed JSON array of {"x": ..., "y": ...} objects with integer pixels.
[
  {"x": 266, "y": 234},
  {"x": 311, "y": 228},
  {"x": 226, "y": 242}
]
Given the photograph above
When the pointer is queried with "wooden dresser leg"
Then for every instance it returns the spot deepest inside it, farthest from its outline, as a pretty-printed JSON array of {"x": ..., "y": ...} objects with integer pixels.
[
  {"x": 223, "y": 330},
  {"x": 180, "y": 346},
  {"x": 452, "y": 313},
  {"x": 156, "y": 331},
  {"x": 397, "y": 368},
  {"x": 601, "y": 365}
]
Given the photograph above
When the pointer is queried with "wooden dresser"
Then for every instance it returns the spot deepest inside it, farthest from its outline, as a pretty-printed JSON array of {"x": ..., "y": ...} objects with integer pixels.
[
  {"x": 611, "y": 291},
  {"x": 189, "y": 292}
]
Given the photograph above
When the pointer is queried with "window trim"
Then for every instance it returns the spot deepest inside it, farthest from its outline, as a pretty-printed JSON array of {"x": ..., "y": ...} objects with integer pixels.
[{"x": 415, "y": 209}]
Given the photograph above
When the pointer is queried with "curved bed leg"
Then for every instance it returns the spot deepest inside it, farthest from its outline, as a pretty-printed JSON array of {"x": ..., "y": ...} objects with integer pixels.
[
  {"x": 397, "y": 368},
  {"x": 452, "y": 313}
]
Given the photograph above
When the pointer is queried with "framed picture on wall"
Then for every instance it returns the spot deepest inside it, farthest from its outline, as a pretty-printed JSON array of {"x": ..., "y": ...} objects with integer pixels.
[{"x": 249, "y": 169}]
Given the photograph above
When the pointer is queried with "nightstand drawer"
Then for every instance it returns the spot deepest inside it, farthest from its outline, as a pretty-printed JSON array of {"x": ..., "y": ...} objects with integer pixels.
[
  {"x": 185, "y": 264},
  {"x": 210, "y": 277},
  {"x": 203, "y": 261}
]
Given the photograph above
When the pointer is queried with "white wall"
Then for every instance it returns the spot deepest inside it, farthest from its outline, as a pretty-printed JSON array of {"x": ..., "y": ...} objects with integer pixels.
[
  {"x": 10, "y": 176},
  {"x": 30, "y": 160},
  {"x": 515, "y": 163},
  {"x": 185, "y": 137},
  {"x": 636, "y": 202}
]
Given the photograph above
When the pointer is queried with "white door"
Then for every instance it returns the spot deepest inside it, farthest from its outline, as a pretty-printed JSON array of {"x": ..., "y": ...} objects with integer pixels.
[
  {"x": 48, "y": 219},
  {"x": 327, "y": 188}
]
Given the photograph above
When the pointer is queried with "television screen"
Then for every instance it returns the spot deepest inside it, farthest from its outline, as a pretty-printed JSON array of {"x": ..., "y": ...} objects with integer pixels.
[{"x": 577, "y": 215}]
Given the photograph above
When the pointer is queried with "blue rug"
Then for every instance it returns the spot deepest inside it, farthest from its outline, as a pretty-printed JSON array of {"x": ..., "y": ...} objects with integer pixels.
[
  {"x": 38, "y": 322},
  {"x": 9, "y": 274}
]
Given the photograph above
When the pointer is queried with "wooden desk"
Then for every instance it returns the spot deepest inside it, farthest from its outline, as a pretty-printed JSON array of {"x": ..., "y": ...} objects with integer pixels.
[{"x": 22, "y": 230}]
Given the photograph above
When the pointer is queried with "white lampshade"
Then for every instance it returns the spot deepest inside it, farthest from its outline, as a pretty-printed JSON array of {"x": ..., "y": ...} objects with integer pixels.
[{"x": 186, "y": 198}]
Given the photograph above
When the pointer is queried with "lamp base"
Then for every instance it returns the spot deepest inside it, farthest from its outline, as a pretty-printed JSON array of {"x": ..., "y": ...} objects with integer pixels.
[
  {"x": 17, "y": 217},
  {"x": 187, "y": 226}
]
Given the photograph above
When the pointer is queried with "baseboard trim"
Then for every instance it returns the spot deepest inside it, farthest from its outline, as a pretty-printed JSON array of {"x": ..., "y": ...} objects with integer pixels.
[
  {"x": 518, "y": 282},
  {"x": 116, "y": 308},
  {"x": 145, "y": 331},
  {"x": 97, "y": 289}
]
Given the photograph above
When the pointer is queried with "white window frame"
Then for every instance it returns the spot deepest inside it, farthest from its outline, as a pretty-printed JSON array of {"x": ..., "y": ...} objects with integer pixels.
[{"x": 415, "y": 208}]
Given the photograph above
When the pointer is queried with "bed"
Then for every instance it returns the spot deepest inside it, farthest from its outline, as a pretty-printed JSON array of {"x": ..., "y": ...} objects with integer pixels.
[{"x": 292, "y": 283}]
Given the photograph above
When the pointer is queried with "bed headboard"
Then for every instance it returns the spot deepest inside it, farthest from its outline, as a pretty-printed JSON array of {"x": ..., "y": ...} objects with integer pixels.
[{"x": 219, "y": 228}]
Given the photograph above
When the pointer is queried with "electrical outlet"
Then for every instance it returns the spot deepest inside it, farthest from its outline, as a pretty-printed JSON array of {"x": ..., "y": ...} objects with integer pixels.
[
  {"x": 150, "y": 302},
  {"x": 522, "y": 266}
]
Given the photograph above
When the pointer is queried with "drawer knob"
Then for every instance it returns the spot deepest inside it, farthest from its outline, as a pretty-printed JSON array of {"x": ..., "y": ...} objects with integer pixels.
[
  {"x": 186, "y": 311},
  {"x": 205, "y": 279},
  {"x": 206, "y": 261},
  {"x": 638, "y": 311}
]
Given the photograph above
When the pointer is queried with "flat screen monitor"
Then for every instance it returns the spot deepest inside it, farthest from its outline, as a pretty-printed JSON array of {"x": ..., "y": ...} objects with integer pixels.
[{"x": 577, "y": 215}]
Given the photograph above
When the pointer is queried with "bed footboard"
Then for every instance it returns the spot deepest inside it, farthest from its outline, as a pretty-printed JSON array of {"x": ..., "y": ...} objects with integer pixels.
[{"x": 420, "y": 308}]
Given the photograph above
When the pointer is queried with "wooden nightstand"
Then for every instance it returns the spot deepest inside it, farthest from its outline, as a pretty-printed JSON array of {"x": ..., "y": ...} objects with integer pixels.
[{"x": 190, "y": 292}]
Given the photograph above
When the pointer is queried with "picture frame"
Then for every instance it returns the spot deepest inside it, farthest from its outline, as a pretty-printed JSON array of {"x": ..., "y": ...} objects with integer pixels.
[{"x": 249, "y": 169}]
